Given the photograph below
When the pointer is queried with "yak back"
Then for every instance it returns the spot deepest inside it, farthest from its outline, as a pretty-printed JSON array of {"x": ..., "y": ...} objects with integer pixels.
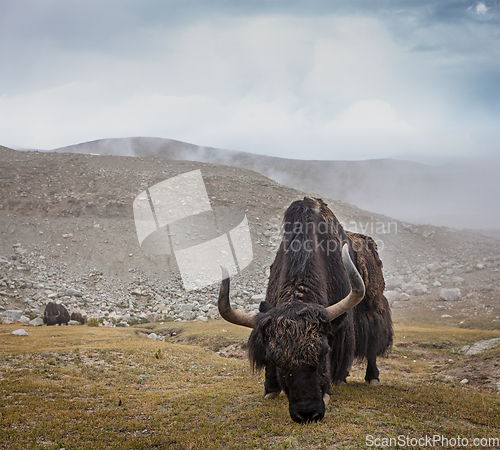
[
  {"x": 308, "y": 265},
  {"x": 369, "y": 267},
  {"x": 372, "y": 316}
]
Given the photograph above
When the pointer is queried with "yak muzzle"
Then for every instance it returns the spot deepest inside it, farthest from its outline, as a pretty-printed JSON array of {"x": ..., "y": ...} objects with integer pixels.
[{"x": 306, "y": 413}]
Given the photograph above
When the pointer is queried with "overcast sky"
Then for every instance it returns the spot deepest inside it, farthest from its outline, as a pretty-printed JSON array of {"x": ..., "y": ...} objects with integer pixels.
[{"x": 416, "y": 79}]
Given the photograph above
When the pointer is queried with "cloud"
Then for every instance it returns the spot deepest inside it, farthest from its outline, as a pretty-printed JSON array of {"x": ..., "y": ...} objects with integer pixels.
[
  {"x": 296, "y": 81},
  {"x": 481, "y": 9}
]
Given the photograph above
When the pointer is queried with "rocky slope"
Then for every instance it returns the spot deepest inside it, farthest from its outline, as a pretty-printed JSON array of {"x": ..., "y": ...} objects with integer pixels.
[
  {"x": 459, "y": 194},
  {"x": 68, "y": 234}
]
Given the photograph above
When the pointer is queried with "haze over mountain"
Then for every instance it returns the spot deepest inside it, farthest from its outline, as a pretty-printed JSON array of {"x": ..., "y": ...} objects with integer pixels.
[{"x": 463, "y": 194}]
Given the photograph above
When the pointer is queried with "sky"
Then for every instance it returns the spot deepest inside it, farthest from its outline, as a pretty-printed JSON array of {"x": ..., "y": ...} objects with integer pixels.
[{"x": 341, "y": 80}]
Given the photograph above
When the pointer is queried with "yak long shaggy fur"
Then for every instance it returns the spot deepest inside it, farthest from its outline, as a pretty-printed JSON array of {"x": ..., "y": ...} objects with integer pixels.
[{"x": 307, "y": 276}]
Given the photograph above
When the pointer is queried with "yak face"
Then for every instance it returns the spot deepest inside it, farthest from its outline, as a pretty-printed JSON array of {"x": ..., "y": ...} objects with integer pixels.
[{"x": 292, "y": 339}]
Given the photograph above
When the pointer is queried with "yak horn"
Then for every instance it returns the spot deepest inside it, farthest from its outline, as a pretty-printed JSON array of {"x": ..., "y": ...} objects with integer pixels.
[
  {"x": 357, "y": 288},
  {"x": 225, "y": 310}
]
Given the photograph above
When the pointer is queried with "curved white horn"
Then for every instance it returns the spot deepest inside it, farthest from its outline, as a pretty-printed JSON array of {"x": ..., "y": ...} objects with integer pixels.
[
  {"x": 357, "y": 288},
  {"x": 225, "y": 310}
]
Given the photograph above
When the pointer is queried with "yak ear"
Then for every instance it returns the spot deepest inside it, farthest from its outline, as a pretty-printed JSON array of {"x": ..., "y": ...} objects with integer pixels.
[
  {"x": 257, "y": 350},
  {"x": 265, "y": 307}
]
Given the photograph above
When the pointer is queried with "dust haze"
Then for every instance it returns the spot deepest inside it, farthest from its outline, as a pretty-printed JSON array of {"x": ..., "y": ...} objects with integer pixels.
[{"x": 459, "y": 194}]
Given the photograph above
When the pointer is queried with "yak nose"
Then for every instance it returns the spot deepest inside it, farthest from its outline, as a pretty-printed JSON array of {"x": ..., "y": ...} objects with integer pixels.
[{"x": 305, "y": 416}]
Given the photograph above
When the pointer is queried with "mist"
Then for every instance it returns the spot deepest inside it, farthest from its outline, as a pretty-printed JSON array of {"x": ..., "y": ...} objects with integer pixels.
[{"x": 459, "y": 194}]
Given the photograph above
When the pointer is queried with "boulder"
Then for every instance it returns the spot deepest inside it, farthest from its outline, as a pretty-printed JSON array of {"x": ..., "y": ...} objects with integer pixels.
[
  {"x": 415, "y": 288},
  {"x": 392, "y": 283},
  {"x": 187, "y": 315},
  {"x": 12, "y": 314},
  {"x": 395, "y": 296},
  {"x": 450, "y": 295},
  {"x": 20, "y": 332},
  {"x": 73, "y": 293},
  {"x": 37, "y": 322},
  {"x": 480, "y": 346},
  {"x": 434, "y": 267}
]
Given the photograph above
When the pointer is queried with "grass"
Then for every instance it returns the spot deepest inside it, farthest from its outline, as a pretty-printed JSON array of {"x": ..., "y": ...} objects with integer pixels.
[{"x": 112, "y": 388}]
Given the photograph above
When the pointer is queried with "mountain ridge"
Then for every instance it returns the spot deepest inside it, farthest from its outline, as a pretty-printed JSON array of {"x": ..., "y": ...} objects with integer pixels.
[{"x": 459, "y": 195}]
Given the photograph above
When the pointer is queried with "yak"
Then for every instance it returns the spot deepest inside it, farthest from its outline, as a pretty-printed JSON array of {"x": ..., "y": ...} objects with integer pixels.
[
  {"x": 55, "y": 314},
  {"x": 76, "y": 316},
  {"x": 324, "y": 307}
]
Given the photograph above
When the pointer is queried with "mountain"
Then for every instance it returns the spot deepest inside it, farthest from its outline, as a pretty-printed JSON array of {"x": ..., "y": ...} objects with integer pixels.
[{"x": 459, "y": 195}]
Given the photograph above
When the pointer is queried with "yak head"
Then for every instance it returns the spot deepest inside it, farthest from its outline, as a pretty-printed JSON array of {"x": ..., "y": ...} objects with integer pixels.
[{"x": 292, "y": 342}]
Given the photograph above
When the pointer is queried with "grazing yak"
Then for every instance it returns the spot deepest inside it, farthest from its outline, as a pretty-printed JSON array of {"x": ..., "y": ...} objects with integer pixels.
[
  {"x": 77, "y": 317},
  {"x": 324, "y": 307},
  {"x": 55, "y": 314}
]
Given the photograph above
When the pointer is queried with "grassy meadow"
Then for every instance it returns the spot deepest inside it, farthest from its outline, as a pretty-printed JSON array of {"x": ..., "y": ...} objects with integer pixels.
[{"x": 86, "y": 387}]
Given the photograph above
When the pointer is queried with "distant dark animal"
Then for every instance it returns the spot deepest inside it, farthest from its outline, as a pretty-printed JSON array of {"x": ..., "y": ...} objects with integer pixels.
[
  {"x": 55, "y": 314},
  {"x": 78, "y": 317},
  {"x": 324, "y": 307}
]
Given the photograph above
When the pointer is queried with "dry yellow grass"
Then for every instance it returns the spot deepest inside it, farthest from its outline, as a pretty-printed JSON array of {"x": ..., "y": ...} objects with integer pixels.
[{"x": 111, "y": 388}]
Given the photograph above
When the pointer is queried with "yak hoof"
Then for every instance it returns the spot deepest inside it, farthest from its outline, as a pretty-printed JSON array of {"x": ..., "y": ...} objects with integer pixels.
[
  {"x": 374, "y": 382},
  {"x": 270, "y": 395},
  {"x": 326, "y": 399}
]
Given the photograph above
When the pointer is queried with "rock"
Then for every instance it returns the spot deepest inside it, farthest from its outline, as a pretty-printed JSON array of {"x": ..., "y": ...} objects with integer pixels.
[
  {"x": 450, "y": 271},
  {"x": 434, "y": 267},
  {"x": 395, "y": 296},
  {"x": 392, "y": 283},
  {"x": 480, "y": 346},
  {"x": 258, "y": 297},
  {"x": 153, "y": 336},
  {"x": 74, "y": 322},
  {"x": 187, "y": 315},
  {"x": 450, "y": 295},
  {"x": 488, "y": 288},
  {"x": 73, "y": 293},
  {"x": 464, "y": 381},
  {"x": 415, "y": 288},
  {"x": 24, "y": 319},
  {"x": 122, "y": 324},
  {"x": 37, "y": 322},
  {"x": 12, "y": 314},
  {"x": 446, "y": 316},
  {"x": 396, "y": 305},
  {"x": 20, "y": 332},
  {"x": 437, "y": 283},
  {"x": 457, "y": 280},
  {"x": 440, "y": 308}
]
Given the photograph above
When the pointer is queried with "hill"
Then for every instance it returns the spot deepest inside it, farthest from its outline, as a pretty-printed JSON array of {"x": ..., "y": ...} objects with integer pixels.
[
  {"x": 461, "y": 194},
  {"x": 67, "y": 223}
]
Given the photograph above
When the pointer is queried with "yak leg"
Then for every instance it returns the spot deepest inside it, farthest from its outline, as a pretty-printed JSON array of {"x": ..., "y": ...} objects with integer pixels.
[
  {"x": 372, "y": 372},
  {"x": 271, "y": 385}
]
